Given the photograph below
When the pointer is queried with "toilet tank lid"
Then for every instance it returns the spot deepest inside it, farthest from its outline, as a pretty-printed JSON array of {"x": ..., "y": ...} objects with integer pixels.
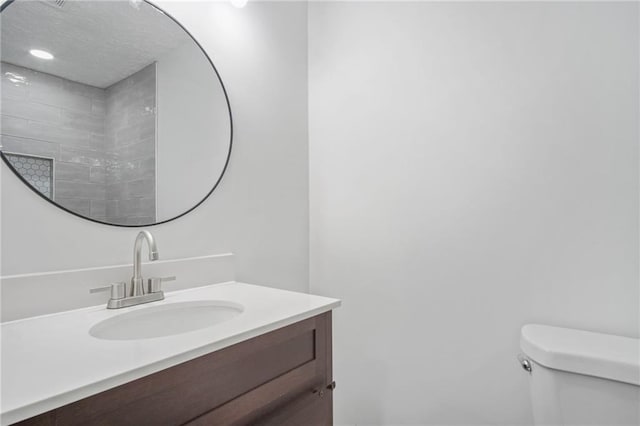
[{"x": 583, "y": 352}]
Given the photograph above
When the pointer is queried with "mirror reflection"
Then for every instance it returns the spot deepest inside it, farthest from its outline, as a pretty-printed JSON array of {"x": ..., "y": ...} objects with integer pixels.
[{"x": 110, "y": 109}]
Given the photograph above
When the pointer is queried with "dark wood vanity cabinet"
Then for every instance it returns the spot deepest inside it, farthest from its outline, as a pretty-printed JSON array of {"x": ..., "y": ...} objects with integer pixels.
[{"x": 281, "y": 378}]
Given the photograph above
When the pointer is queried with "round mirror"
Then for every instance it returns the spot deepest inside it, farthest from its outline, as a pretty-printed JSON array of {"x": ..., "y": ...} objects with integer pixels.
[{"x": 110, "y": 109}]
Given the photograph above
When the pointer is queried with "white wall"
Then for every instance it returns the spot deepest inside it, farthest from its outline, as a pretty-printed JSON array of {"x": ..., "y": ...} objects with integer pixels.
[
  {"x": 260, "y": 210},
  {"x": 193, "y": 130},
  {"x": 473, "y": 167}
]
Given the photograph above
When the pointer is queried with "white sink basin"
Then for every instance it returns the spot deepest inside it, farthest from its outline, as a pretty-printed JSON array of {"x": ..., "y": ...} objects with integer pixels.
[{"x": 165, "y": 320}]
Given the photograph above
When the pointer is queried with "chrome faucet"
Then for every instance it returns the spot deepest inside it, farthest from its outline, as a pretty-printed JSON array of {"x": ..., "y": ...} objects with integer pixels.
[
  {"x": 137, "y": 287},
  {"x": 121, "y": 297}
]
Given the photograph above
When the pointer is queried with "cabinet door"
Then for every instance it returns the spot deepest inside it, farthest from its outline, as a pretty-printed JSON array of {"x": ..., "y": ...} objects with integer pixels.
[{"x": 297, "y": 397}]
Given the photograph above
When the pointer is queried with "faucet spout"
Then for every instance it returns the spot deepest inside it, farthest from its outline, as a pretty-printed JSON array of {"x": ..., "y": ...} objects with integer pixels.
[{"x": 137, "y": 287}]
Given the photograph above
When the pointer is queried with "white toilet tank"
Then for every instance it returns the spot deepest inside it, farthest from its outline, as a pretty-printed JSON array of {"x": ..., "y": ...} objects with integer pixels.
[{"x": 581, "y": 378}]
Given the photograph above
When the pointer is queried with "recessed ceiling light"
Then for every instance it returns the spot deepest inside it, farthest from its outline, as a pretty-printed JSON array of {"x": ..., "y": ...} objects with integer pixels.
[
  {"x": 42, "y": 54},
  {"x": 239, "y": 3}
]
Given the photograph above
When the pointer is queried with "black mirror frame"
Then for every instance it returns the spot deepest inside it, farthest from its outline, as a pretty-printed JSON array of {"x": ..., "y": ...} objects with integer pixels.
[{"x": 6, "y": 4}]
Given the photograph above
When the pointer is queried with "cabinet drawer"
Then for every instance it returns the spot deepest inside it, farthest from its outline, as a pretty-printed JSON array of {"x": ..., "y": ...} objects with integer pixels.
[{"x": 309, "y": 409}]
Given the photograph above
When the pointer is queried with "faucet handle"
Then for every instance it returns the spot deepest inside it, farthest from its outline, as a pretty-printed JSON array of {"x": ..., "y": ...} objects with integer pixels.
[
  {"x": 118, "y": 290},
  {"x": 155, "y": 283}
]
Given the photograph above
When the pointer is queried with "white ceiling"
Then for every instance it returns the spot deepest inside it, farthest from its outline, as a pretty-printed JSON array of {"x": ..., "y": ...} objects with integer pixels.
[{"x": 94, "y": 42}]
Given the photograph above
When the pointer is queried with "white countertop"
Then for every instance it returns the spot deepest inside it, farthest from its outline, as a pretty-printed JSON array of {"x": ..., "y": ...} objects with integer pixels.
[{"x": 51, "y": 360}]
